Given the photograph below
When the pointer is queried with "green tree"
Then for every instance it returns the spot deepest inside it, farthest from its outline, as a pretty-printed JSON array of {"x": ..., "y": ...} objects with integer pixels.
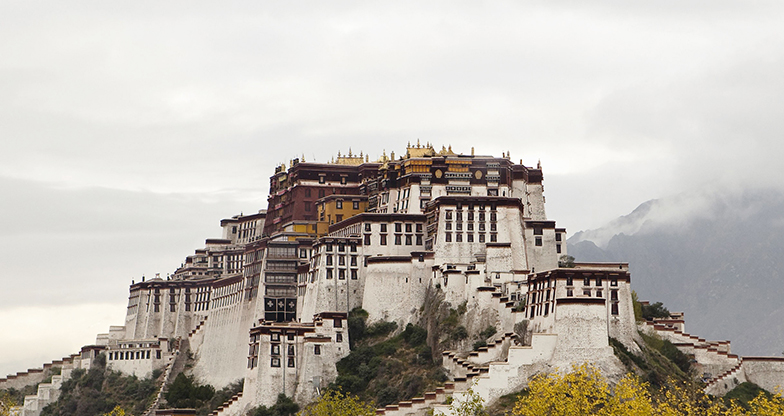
[
  {"x": 185, "y": 393},
  {"x": 335, "y": 403},
  {"x": 284, "y": 406},
  {"x": 566, "y": 261}
]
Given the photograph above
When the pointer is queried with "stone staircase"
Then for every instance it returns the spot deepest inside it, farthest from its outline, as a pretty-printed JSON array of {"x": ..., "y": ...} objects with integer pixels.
[
  {"x": 167, "y": 373},
  {"x": 713, "y": 357},
  {"x": 492, "y": 369},
  {"x": 226, "y": 408},
  {"x": 727, "y": 380},
  {"x": 47, "y": 392}
]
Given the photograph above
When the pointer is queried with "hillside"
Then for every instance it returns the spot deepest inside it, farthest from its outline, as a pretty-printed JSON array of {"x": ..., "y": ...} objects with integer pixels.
[{"x": 717, "y": 256}]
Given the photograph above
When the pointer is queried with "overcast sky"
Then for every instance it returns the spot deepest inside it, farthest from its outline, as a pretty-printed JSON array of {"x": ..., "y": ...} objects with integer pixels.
[{"x": 127, "y": 131}]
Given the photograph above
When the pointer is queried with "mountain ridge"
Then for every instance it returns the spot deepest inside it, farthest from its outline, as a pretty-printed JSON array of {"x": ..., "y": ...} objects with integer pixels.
[{"x": 721, "y": 262}]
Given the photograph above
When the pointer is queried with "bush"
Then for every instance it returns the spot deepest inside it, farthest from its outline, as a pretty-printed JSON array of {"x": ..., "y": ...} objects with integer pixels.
[
  {"x": 459, "y": 333},
  {"x": 479, "y": 344},
  {"x": 380, "y": 328},
  {"x": 283, "y": 406},
  {"x": 414, "y": 335},
  {"x": 487, "y": 332},
  {"x": 185, "y": 393},
  {"x": 655, "y": 310}
]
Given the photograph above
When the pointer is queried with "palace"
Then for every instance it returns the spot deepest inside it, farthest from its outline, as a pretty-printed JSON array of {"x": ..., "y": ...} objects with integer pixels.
[{"x": 268, "y": 302}]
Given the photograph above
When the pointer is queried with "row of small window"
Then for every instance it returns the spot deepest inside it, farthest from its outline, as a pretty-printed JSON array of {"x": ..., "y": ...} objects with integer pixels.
[
  {"x": 132, "y": 355},
  {"x": 341, "y": 260},
  {"x": 398, "y": 239},
  {"x": 342, "y": 274},
  {"x": 329, "y": 247},
  {"x": 398, "y": 227},
  {"x": 339, "y": 204},
  {"x": 458, "y": 216},
  {"x": 587, "y": 281},
  {"x": 469, "y": 226},
  {"x": 469, "y": 237}
]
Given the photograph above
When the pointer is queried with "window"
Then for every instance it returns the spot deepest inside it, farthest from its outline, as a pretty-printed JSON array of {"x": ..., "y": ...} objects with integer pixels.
[
  {"x": 557, "y": 236},
  {"x": 408, "y": 228},
  {"x": 598, "y": 281},
  {"x": 481, "y": 238},
  {"x": 470, "y": 215},
  {"x": 290, "y": 337},
  {"x": 569, "y": 281},
  {"x": 275, "y": 362},
  {"x": 398, "y": 240},
  {"x": 398, "y": 227},
  {"x": 481, "y": 226},
  {"x": 303, "y": 253},
  {"x": 290, "y": 350},
  {"x": 355, "y": 204},
  {"x": 419, "y": 228},
  {"x": 343, "y": 180},
  {"x": 614, "y": 294},
  {"x": 329, "y": 273},
  {"x": 339, "y": 204},
  {"x": 537, "y": 230},
  {"x": 448, "y": 226},
  {"x": 353, "y": 260},
  {"x": 586, "y": 281},
  {"x": 419, "y": 239},
  {"x": 321, "y": 192},
  {"x": 342, "y": 274},
  {"x": 338, "y": 217},
  {"x": 317, "y": 349},
  {"x": 329, "y": 260},
  {"x": 339, "y": 337},
  {"x": 338, "y": 323},
  {"x": 558, "y": 248},
  {"x": 307, "y": 192},
  {"x": 470, "y": 237},
  {"x": 353, "y": 274},
  {"x": 322, "y": 179},
  {"x": 569, "y": 292},
  {"x": 275, "y": 349},
  {"x": 493, "y": 237},
  {"x": 367, "y": 240},
  {"x": 614, "y": 282},
  {"x": 459, "y": 237},
  {"x": 367, "y": 227},
  {"x": 341, "y": 260},
  {"x": 448, "y": 237},
  {"x": 587, "y": 292},
  {"x": 470, "y": 226},
  {"x": 614, "y": 308},
  {"x": 448, "y": 214},
  {"x": 546, "y": 309},
  {"x": 275, "y": 337},
  {"x": 598, "y": 293},
  {"x": 408, "y": 239},
  {"x": 329, "y": 247}
]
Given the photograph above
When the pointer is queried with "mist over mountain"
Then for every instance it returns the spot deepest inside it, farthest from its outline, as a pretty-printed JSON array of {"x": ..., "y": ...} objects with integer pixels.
[{"x": 717, "y": 255}]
